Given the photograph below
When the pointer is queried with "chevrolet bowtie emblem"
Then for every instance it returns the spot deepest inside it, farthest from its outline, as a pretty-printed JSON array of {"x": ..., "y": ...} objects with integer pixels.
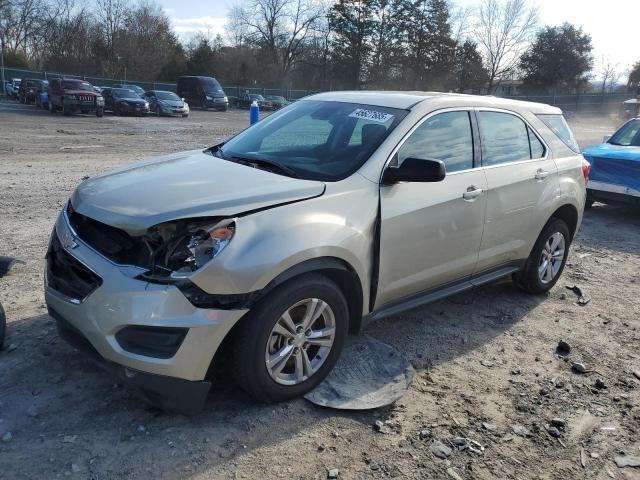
[{"x": 68, "y": 242}]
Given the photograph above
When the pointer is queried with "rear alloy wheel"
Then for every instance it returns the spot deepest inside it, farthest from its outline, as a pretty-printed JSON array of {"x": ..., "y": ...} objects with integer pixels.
[
  {"x": 547, "y": 259},
  {"x": 290, "y": 341}
]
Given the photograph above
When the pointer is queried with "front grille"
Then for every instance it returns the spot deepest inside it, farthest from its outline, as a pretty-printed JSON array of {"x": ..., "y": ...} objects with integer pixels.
[
  {"x": 67, "y": 275},
  {"x": 86, "y": 98},
  {"x": 114, "y": 243}
]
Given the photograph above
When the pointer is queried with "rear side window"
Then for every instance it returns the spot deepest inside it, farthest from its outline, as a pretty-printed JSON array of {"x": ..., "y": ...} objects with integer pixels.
[
  {"x": 446, "y": 137},
  {"x": 558, "y": 125},
  {"x": 505, "y": 138},
  {"x": 537, "y": 148}
]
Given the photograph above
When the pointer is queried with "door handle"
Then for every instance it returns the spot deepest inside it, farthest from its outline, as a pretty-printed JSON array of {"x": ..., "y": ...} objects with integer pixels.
[
  {"x": 472, "y": 193},
  {"x": 541, "y": 174}
]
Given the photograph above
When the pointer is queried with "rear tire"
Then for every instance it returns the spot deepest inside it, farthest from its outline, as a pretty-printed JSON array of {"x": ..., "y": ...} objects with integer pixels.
[
  {"x": 259, "y": 338},
  {"x": 547, "y": 259}
]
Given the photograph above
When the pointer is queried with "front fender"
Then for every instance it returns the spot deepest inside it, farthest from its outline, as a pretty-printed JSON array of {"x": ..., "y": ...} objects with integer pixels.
[{"x": 338, "y": 224}]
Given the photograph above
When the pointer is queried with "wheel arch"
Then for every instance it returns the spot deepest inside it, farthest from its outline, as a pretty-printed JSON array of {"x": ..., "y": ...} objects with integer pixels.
[
  {"x": 337, "y": 270},
  {"x": 334, "y": 268},
  {"x": 569, "y": 214}
]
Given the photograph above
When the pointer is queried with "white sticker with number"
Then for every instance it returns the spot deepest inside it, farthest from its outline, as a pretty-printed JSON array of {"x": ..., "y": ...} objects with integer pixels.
[{"x": 372, "y": 115}]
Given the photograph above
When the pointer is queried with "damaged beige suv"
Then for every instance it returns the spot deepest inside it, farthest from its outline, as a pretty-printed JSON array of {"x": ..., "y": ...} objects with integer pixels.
[{"x": 273, "y": 246}]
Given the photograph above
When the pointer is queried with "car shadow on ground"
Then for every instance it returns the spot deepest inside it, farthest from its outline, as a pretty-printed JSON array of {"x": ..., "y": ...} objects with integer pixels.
[{"x": 55, "y": 401}]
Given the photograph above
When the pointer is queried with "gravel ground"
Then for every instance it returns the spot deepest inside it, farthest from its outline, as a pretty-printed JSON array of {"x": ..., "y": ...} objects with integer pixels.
[{"x": 486, "y": 362}]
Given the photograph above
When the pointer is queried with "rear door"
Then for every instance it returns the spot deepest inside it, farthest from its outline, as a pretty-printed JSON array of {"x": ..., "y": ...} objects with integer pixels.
[
  {"x": 431, "y": 232},
  {"x": 522, "y": 181}
]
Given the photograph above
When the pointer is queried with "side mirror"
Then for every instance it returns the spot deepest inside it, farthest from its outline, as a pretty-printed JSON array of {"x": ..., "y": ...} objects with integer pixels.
[
  {"x": 606, "y": 138},
  {"x": 415, "y": 170}
]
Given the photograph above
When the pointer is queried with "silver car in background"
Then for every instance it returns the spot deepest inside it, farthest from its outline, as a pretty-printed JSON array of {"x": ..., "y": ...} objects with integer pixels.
[{"x": 271, "y": 247}]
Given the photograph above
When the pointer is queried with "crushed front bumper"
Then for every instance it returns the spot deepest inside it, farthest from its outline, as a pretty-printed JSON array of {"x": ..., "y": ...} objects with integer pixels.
[{"x": 120, "y": 301}]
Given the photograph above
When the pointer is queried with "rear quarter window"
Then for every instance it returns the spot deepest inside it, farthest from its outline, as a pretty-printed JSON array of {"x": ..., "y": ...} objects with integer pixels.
[{"x": 558, "y": 125}]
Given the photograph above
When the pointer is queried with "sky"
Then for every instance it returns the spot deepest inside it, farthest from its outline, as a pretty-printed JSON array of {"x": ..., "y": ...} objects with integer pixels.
[{"x": 613, "y": 24}]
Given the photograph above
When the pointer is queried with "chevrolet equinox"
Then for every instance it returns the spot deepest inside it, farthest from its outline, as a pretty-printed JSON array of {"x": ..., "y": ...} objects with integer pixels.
[{"x": 275, "y": 245}]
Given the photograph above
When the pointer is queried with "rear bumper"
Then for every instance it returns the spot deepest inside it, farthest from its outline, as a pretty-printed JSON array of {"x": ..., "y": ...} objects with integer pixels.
[{"x": 169, "y": 393}]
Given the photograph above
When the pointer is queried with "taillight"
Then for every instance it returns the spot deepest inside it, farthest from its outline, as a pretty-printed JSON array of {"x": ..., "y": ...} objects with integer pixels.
[{"x": 586, "y": 169}]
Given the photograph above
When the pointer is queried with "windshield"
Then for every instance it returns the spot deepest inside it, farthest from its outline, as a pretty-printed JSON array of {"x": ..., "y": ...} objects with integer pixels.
[
  {"x": 255, "y": 96},
  {"x": 275, "y": 97},
  {"x": 210, "y": 85},
  {"x": 628, "y": 135},
  {"x": 317, "y": 140},
  {"x": 68, "y": 85},
  {"x": 125, "y": 93},
  {"x": 167, "y": 96}
]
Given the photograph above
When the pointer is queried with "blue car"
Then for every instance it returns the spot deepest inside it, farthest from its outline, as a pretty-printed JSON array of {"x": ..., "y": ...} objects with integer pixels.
[{"x": 615, "y": 167}]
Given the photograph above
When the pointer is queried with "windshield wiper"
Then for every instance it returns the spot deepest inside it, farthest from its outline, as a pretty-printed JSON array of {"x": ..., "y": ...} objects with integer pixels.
[{"x": 268, "y": 164}]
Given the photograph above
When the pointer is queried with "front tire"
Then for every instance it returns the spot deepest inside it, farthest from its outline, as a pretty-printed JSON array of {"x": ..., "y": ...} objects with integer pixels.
[
  {"x": 100, "y": 112},
  {"x": 52, "y": 107},
  {"x": 547, "y": 259},
  {"x": 290, "y": 341}
]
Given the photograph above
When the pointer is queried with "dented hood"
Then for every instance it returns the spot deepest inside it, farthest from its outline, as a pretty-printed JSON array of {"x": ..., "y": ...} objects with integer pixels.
[{"x": 183, "y": 185}]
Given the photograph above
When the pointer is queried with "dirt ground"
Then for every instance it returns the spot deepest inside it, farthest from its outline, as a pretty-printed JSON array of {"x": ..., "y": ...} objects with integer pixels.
[{"x": 486, "y": 364}]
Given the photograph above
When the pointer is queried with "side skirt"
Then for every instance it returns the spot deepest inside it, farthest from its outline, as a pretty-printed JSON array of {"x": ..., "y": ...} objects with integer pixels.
[{"x": 442, "y": 291}]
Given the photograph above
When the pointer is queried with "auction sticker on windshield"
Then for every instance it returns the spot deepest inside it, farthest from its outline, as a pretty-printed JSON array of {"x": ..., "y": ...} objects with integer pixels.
[{"x": 372, "y": 115}]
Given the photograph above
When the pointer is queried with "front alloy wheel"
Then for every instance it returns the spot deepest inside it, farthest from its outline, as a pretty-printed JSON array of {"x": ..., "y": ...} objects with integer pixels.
[
  {"x": 291, "y": 339},
  {"x": 300, "y": 341}
]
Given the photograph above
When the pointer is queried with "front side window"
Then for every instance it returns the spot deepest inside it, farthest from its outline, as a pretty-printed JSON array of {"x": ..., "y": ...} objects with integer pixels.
[
  {"x": 505, "y": 138},
  {"x": 446, "y": 137},
  {"x": 628, "y": 135},
  {"x": 315, "y": 139}
]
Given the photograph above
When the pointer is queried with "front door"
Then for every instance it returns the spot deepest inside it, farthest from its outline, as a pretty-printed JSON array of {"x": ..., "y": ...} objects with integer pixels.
[{"x": 431, "y": 232}]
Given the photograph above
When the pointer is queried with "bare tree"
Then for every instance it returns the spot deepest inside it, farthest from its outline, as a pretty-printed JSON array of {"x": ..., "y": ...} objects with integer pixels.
[
  {"x": 111, "y": 15},
  {"x": 610, "y": 75},
  {"x": 503, "y": 31},
  {"x": 280, "y": 28}
]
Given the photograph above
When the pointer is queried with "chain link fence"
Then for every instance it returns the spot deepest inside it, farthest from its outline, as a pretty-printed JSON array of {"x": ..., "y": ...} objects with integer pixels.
[
  {"x": 232, "y": 91},
  {"x": 583, "y": 104}
]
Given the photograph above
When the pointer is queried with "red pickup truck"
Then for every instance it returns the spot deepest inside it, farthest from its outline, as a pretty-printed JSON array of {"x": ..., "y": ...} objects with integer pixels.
[{"x": 73, "y": 95}]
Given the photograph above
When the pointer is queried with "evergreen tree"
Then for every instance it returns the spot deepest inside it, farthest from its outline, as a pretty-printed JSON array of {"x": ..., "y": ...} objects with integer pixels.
[
  {"x": 558, "y": 60},
  {"x": 351, "y": 22},
  {"x": 471, "y": 74}
]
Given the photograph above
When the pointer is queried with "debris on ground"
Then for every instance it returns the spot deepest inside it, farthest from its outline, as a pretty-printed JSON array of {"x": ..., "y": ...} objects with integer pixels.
[
  {"x": 453, "y": 474},
  {"x": 563, "y": 349},
  {"x": 6, "y": 437},
  {"x": 7, "y": 263},
  {"x": 627, "y": 461},
  {"x": 578, "y": 367},
  {"x": 463, "y": 443},
  {"x": 333, "y": 473},
  {"x": 369, "y": 374},
  {"x": 582, "y": 298},
  {"x": 440, "y": 450}
]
